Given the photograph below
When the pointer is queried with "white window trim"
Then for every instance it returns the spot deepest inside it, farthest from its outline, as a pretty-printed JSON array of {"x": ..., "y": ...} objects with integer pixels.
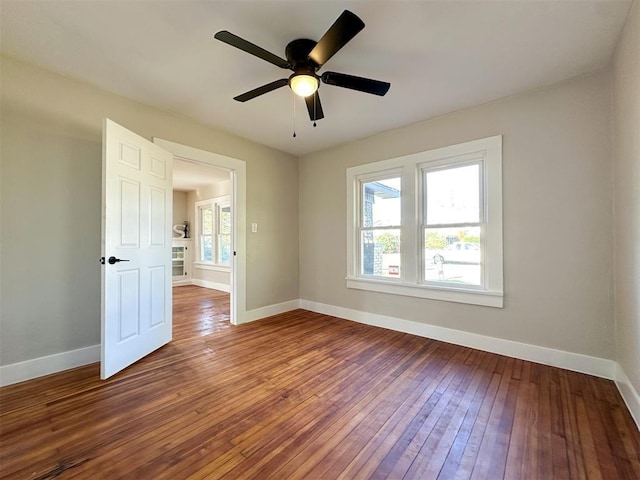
[
  {"x": 411, "y": 167},
  {"x": 214, "y": 203}
]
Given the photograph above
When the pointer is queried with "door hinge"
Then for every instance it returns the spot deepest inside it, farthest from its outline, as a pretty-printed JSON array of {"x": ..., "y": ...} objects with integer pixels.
[{"x": 101, "y": 260}]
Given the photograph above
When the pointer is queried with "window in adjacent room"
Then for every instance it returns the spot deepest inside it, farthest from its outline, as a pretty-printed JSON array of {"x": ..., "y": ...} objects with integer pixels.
[
  {"x": 214, "y": 231},
  {"x": 224, "y": 233}
]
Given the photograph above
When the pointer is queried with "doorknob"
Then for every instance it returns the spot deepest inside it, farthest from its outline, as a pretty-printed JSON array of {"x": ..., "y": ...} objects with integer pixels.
[{"x": 113, "y": 260}]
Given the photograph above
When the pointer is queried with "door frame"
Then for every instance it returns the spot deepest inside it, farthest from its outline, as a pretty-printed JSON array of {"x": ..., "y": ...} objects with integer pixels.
[{"x": 238, "y": 171}]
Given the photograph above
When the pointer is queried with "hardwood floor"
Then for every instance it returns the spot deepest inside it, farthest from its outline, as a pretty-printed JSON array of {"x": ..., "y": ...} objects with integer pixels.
[{"x": 308, "y": 396}]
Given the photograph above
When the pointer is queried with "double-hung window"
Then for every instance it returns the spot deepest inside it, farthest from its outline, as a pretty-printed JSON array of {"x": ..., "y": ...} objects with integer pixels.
[
  {"x": 452, "y": 213},
  {"x": 214, "y": 231},
  {"x": 429, "y": 224},
  {"x": 379, "y": 228}
]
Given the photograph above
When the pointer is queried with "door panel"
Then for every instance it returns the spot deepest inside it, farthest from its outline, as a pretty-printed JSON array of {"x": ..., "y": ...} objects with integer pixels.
[
  {"x": 128, "y": 208},
  {"x": 136, "y": 291},
  {"x": 157, "y": 302},
  {"x": 128, "y": 301}
]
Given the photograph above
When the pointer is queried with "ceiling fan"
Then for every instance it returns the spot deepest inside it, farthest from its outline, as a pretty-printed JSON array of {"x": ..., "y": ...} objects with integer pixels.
[{"x": 305, "y": 57}]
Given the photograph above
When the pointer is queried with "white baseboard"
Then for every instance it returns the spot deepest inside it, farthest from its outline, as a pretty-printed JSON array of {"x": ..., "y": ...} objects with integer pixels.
[
  {"x": 599, "y": 367},
  {"x": 39, "y": 367},
  {"x": 269, "y": 310},
  {"x": 629, "y": 393},
  {"x": 223, "y": 287}
]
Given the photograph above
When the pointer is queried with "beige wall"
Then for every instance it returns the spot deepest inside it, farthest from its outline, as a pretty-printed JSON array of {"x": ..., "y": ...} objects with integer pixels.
[
  {"x": 557, "y": 218},
  {"x": 50, "y": 207},
  {"x": 179, "y": 209},
  {"x": 627, "y": 197}
]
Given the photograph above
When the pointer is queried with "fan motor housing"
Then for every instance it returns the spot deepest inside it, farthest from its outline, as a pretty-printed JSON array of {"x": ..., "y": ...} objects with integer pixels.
[{"x": 297, "y": 53}]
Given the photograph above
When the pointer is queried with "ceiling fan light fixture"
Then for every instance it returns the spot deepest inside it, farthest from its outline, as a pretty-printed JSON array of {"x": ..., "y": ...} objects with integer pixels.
[
  {"x": 303, "y": 84},
  {"x": 304, "y": 57}
]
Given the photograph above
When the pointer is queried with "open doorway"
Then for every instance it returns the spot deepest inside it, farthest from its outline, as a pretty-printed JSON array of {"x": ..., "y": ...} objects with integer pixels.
[
  {"x": 202, "y": 222},
  {"x": 202, "y": 226},
  {"x": 220, "y": 197}
]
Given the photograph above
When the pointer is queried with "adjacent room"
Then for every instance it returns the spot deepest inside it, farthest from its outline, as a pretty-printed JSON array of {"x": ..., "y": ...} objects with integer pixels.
[{"x": 320, "y": 240}]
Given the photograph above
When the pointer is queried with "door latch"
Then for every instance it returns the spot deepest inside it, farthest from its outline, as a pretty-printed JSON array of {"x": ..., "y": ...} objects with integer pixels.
[{"x": 112, "y": 260}]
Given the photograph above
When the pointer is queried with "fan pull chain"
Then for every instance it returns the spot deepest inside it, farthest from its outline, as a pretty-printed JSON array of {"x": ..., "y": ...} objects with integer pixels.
[
  {"x": 294, "y": 113},
  {"x": 315, "y": 97}
]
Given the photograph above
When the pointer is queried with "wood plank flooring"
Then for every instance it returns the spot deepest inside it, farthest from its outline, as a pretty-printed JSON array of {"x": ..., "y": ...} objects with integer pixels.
[{"x": 308, "y": 396}]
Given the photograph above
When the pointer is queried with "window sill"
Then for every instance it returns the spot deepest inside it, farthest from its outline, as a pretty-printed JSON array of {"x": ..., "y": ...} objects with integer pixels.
[
  {"x": 211, "y": 266},
  {"x": 459, "y": 295}
]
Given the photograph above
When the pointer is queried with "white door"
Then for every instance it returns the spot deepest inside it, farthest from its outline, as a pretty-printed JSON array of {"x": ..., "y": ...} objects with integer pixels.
[{"x": 136, "y": 248}]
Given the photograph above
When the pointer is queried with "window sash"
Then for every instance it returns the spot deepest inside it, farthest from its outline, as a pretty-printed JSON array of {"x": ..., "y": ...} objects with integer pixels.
[
  {"x": 362, "y": 198},
  {"x": 205, "y": 234},
  {"x": 206, "y": 246},
  {"x": 374, "y": 260},
  {"x": 224, "y": 249},
  {"x": 458, "y": 267},
  {"x": 426, "y": 170},
  {"x": 460, "y": 263},
  {"x": 224, "y": 219},
  {"x": 373, "y": 263},
  {"x": 206, "y": 227}
]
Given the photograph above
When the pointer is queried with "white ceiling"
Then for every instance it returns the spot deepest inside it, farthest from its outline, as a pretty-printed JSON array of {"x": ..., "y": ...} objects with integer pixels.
[
  {"x": 440, "y": 56},
  {"x": 189, "y": 176}
]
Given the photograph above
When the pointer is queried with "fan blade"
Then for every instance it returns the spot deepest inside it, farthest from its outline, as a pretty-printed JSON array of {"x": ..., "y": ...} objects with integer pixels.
[
  {"x": 256, "y": 92},
  {"x": 343, "y": 29},
  {"x": 235, "y": 41},
  {"x": 361, "y": 84},
  {"x": 314, "y": 106}
]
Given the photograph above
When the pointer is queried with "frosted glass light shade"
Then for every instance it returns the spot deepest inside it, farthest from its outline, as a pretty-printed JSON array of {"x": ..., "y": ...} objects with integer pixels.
[{"x": 304, "y": 85}]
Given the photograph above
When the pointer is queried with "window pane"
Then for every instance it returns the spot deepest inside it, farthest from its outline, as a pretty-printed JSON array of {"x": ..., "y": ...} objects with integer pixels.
[
  {"x": 206, "y": 248},
  {"x": 207, "y": 221},
  {"x": 452, "y": 195},
  {"x": 381, "y": 203},
  {"x": 225, "y": 220},
  {"x": 453, "y": 255},
  {"x": 224, "y": 249},
  {"x": 380, "y": 253}
]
